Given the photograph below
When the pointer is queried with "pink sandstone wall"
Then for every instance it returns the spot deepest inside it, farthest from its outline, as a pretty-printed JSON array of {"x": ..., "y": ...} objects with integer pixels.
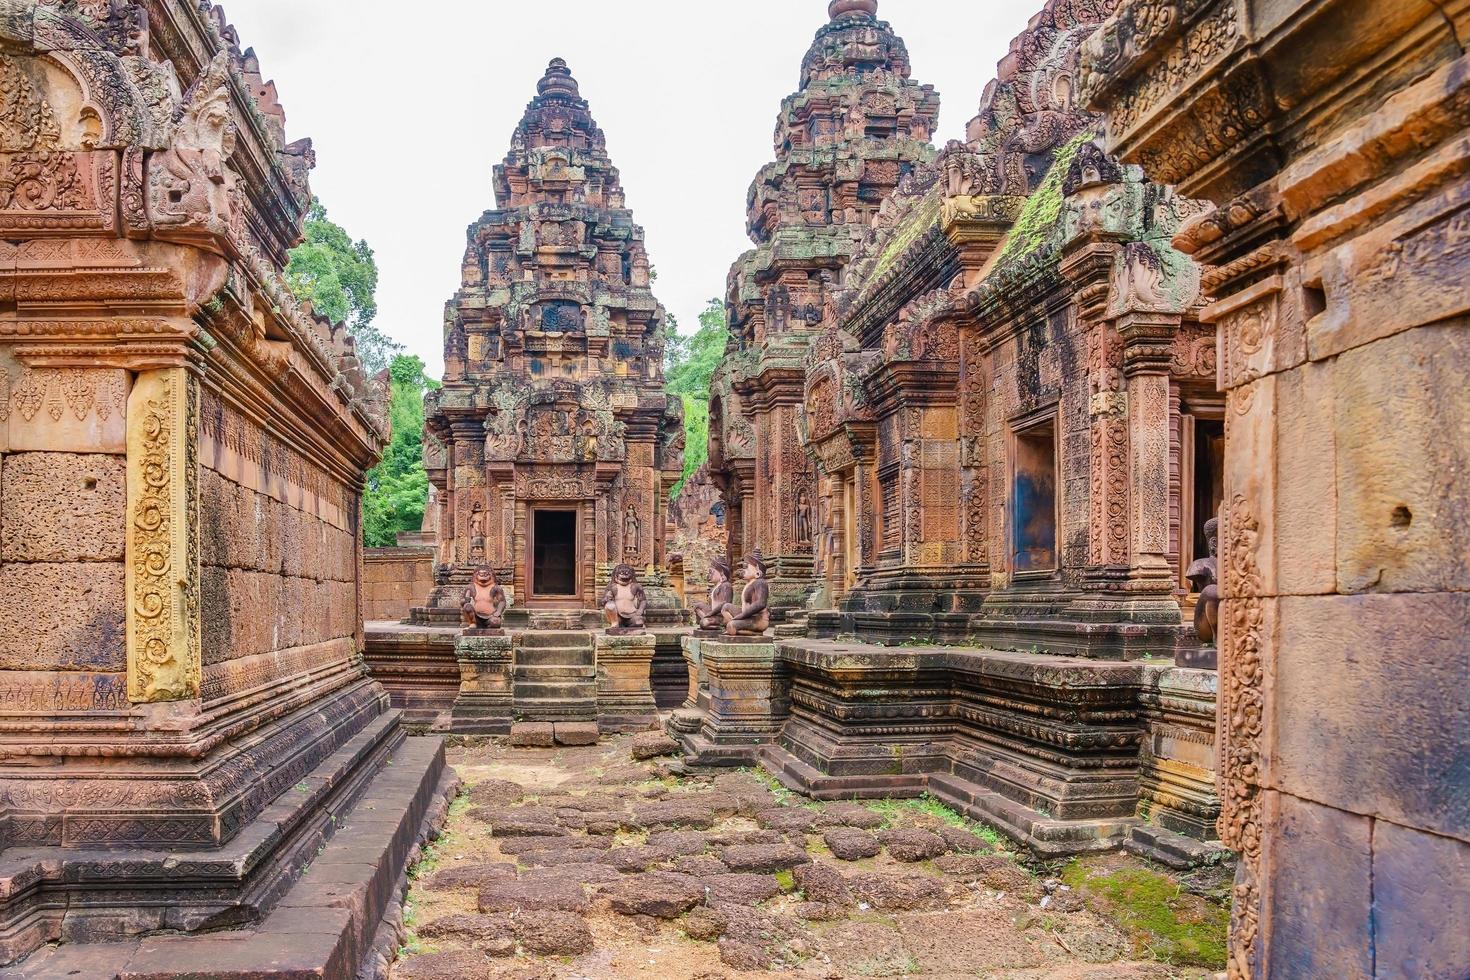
[{"x": 394, "y": 580}]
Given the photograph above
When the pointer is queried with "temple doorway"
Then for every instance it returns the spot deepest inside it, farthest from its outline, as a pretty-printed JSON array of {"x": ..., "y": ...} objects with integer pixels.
[{"x": 554, "y": 554}]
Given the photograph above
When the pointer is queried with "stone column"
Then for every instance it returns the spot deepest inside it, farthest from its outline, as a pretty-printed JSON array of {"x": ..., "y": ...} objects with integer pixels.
[
  {"x": 1147, "y": 344},
  {"x": 161, "y": 587}
]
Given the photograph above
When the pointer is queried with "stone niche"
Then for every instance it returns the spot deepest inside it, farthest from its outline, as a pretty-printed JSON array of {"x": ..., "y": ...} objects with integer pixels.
[
  {"x": 184, "y": 714},
  {"x": 1330, "y": 139}
]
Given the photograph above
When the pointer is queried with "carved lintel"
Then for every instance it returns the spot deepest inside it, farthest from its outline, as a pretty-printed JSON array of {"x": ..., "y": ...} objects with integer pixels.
[{"x": 162, "y": 578}]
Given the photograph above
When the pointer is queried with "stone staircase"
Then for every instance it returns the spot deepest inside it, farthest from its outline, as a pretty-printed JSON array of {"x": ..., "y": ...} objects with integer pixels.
[{"x": 555, "y": 677}]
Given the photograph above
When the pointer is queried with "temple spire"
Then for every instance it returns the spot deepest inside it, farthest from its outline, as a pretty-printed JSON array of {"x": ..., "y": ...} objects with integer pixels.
[
  {"x": 838, "y": 9},
  {"x": 558, "y": 80}
]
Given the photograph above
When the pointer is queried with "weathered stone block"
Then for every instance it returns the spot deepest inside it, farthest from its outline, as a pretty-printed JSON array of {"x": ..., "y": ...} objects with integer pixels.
[
  {"x": 1404, "y": 449},
  {"x": 1250, "y": 478},
  {"x": 1359, "y": 683},
  {"x": 576, "y": 732},
  {"x": 69, "y": 410},
  {"x": 1306, "y": 480},
  {"x": 1371, "y": 295},
  {"x": 1320, "y": 894},
  {"x": 1421, "y": 898},
  {"x": 64, "y": 616},
  {"x": 63, "y": 507},
  {"x": 533, "y": 734}
]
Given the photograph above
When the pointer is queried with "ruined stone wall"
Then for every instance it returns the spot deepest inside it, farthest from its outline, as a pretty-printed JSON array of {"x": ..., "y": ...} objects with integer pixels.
[
  {"x": 1331, "y": 137},
  {"x": 394, "y": 580}
]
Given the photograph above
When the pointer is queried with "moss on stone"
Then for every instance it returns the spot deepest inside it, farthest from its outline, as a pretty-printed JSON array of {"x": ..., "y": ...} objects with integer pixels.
[
  {"x": 1155, "y": 913},
  {"x": 915, "y": 223},
  {"x": 1039, "y": 215}
]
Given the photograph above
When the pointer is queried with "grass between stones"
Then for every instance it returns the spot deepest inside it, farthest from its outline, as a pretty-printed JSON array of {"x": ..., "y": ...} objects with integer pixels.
[
  {"x": 1161, "y": 918},
  {"x": 893, "y": 812}
]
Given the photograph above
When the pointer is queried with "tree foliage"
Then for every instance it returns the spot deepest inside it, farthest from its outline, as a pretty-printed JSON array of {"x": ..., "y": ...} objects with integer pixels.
[
  {"x": 340, "y": 277},
  {"x": 689, "y": 364},
  {"x": 398, "y": 488}
]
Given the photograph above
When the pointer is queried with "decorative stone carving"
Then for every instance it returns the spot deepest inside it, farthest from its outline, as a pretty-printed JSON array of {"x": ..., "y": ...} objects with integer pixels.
[
  {"x": 707, "y": 615},
  {"x": 190, "y": 185},
  {"x": 624, "y": 603},
  {"x": 484, "y": 601},
  {"x": 162, "y": 544},
  {"x": 751, "y": 616}
]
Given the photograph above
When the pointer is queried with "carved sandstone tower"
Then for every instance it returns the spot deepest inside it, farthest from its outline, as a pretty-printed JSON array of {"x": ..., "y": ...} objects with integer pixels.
[
  {"x": 857, "y": 125},
  {"x": 552, "y": 444}
]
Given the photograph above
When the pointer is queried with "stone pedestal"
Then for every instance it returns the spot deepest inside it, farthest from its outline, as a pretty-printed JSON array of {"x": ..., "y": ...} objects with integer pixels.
[
  {"x": 624, "y": 689},
  {"x": 486, "y": 699},
  {"x": 1176, "y": 780},
  {"x": 748, "y": 700}
]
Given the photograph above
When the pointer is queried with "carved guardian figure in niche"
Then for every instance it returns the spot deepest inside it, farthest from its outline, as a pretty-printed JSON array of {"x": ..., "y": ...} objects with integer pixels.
[
  {"x": 630, "y": 531},
  {"x": 484, "y": 601},
  {"x": 623, "y": 602},
  {"x": 751, "y": 617},
  {"x": 708, "y": 615},
  {"x": 477, "y": 532},
  {"x": 1204, "y": 577}
]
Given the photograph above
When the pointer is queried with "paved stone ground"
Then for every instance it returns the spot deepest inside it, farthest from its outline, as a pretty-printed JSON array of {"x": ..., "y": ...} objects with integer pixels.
[{"x": 584, "y": 862}]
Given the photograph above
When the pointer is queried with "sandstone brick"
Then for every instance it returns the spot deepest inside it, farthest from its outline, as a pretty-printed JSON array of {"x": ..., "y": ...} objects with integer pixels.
[
  {"x": 1359, "y": 682},
  {"x": 62, "y": 616},
  {"x": 576, "y": 733},
  {"x": 1403, "y": 452},
  {"x": 63, "y": 507},
  {"x": 1421, "y": 888},
  {"x": 1320, "y": 895},
  {"x": 539, "y": 734},
  {"x": 1250, "y": 476},
  {"x": 1369, "y": 297},
  {"x": 1306, "y": 481}
]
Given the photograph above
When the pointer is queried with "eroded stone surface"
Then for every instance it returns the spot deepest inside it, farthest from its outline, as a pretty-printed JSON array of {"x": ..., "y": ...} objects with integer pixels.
[{"x": 669, "y": 894}]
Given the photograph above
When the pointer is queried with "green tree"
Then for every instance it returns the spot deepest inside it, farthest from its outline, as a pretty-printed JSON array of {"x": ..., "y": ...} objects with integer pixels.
[
  {"x": 398, "y": 488},
  {"x": 340, "y": 277},
  {"x": 690, "y": 363}
]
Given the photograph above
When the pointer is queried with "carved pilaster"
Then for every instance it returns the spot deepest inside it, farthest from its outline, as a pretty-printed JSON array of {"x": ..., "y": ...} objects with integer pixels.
[
  {"x": 1147, "y": 340},
  {"x": 162, "y": 576}
]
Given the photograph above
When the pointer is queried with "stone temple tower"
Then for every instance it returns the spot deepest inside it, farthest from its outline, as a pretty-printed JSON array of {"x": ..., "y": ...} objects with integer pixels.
[
  {"x": 552, "y": 444},
  {"x": 857, "y": 125}
]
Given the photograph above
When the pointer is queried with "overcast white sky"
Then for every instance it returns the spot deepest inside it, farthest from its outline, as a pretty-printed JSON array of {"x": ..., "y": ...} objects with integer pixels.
[{"x": 411, "y": 104}]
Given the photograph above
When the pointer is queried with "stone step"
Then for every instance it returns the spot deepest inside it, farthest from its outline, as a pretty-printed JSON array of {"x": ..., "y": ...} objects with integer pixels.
[
  {"x": 553, "y": 690},
  {"x": 575, "y": 709},
  {"x": 554, "y": 656},
  {"x": 555, "y": 672},
  {"x": 563, "y": 639}
]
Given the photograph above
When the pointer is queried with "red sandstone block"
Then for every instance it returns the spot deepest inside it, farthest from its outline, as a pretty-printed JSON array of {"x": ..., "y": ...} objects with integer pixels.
[
  {"x": 576, "y": 733},
  {"x": 1321, "y": 892},
  {"x": 533, "y": 734}
]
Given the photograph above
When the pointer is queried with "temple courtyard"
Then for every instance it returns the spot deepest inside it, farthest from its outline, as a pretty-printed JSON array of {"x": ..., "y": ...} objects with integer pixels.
[{"x": 587, "y": 862}]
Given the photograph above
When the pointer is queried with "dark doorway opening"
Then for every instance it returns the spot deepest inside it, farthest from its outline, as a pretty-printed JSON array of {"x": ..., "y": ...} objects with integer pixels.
[{"x": 554, "y": 553}]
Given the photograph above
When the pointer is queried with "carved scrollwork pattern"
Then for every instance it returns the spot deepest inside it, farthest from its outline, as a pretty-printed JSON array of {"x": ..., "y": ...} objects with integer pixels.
[
  {"x": 1242, "y": 713},
  {"x": 162, "y": 577}
]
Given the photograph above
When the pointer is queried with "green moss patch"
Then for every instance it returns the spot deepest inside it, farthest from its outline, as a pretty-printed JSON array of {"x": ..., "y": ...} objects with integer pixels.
[
  {"x": 1042, "y": 209},
  {"x": 893, "y": 812},
  {"x": 1158, "y": 916}
]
